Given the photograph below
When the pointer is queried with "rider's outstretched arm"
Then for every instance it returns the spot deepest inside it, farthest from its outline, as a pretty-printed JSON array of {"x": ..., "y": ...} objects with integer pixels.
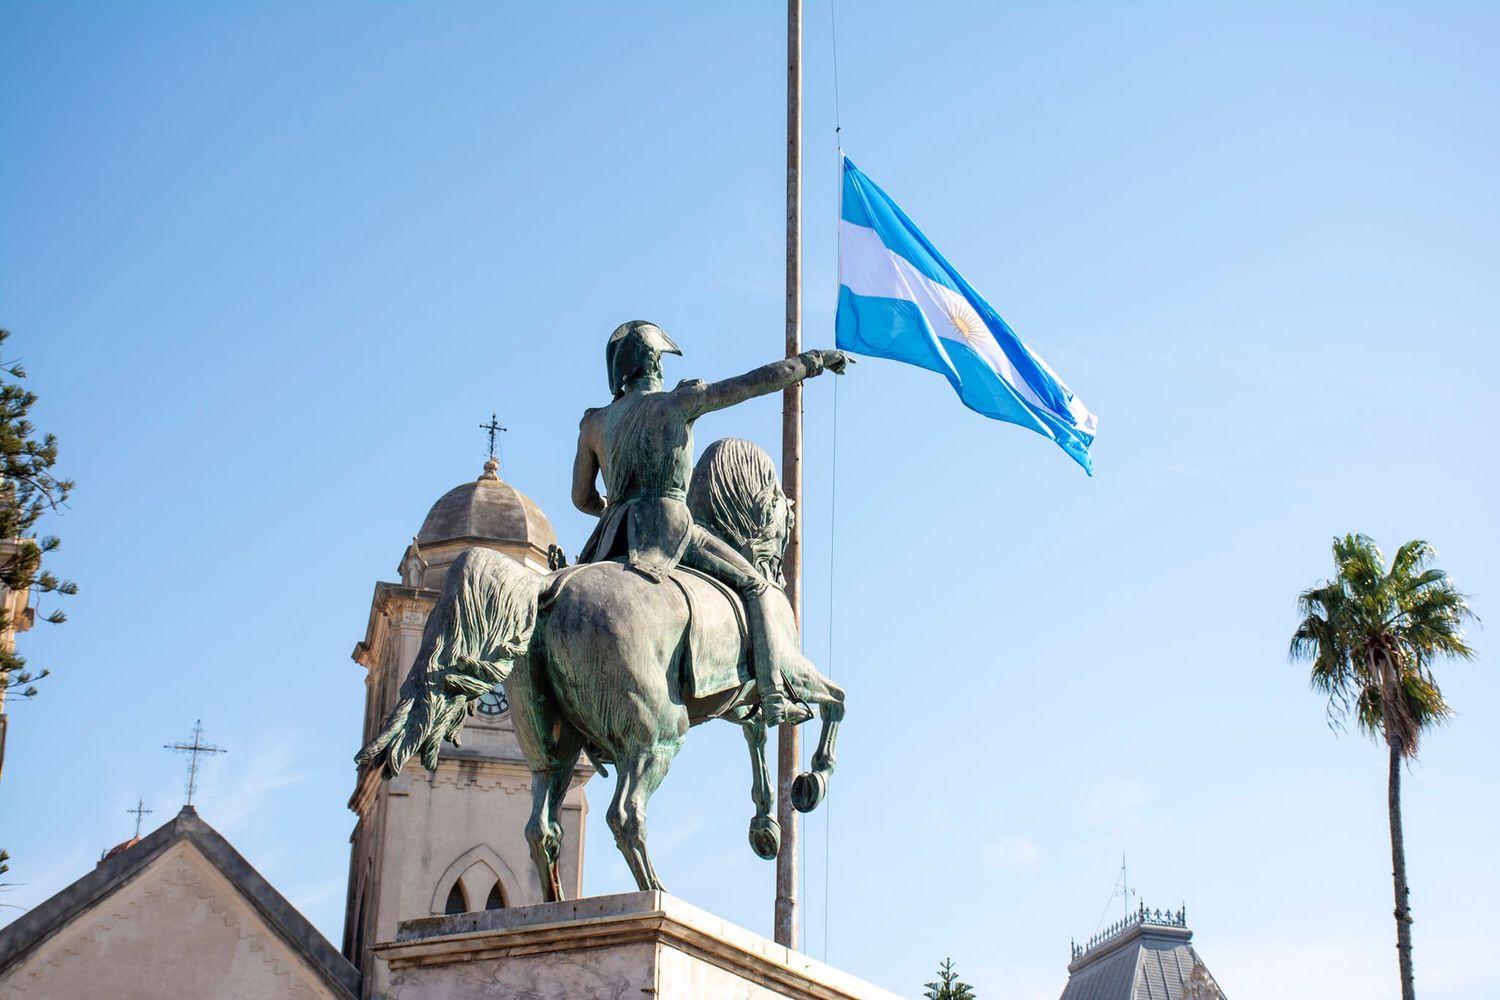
[{"x": 704, "y": 397}]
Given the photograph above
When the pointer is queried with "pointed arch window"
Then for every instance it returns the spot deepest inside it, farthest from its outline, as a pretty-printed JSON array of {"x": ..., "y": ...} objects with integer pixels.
[
  {"x": 456, "y": 902},
  {"x": 496, "y": 898},
  {"x": 355, "y": 948}
]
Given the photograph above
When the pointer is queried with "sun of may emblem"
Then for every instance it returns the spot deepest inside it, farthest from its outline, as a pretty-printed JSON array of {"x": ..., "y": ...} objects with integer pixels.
[{"x": 966, "y": 321}]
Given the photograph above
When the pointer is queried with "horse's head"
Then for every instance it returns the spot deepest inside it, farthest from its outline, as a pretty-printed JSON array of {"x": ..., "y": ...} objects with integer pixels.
[{"x": 736, "y": 494}]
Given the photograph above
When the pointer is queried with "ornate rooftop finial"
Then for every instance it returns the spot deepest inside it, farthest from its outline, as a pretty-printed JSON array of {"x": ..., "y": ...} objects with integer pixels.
[
  {"x": 491, "y": 468},
  {"x": 1143, "y": 916}
]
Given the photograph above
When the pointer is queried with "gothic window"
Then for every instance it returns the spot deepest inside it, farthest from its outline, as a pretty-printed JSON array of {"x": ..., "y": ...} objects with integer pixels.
[
  {"x": 456, "y": 903},
  {"x": 496, "y": 899},
  {"x": 354, "y": 933}
]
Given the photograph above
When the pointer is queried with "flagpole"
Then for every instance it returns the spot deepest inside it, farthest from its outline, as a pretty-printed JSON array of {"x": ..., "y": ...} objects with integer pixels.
[{"x": 788, "y": 742}]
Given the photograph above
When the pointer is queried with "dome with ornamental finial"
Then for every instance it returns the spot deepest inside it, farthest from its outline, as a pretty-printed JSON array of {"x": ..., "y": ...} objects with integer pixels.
[{"x": 486, "y": 512}]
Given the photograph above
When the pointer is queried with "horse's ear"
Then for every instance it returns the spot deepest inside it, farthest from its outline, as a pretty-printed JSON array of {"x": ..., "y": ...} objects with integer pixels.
[{"x": 765, "y": 509}]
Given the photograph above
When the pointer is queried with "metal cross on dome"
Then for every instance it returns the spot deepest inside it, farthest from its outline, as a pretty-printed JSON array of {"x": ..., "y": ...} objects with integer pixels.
[
  {"x": 494, "y": 428},
  {"x": 139, "y": 812},
  {"x": 194, "y": 750}
]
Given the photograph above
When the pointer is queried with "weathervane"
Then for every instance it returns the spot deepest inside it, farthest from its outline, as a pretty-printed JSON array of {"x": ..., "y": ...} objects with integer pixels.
[
  {"x": 139, "y": 812},
  {"x": 1123, "y": 887},
  {"x": 194, "y": 750}
]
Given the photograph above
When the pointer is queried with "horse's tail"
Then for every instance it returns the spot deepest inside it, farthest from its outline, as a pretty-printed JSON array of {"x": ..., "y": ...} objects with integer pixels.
[{"x": 482, "y": 622}]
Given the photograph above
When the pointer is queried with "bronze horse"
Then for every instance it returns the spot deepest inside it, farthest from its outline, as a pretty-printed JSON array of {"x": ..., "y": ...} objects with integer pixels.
[{"x": 598, "y": 659}]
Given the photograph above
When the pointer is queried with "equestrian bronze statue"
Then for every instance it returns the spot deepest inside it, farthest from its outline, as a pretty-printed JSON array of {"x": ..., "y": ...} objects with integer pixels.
[{"x": 674, "y": 616}]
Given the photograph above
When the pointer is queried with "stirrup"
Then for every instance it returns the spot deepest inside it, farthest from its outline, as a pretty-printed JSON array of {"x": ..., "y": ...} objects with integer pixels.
[{"x": 778, "y": 709}]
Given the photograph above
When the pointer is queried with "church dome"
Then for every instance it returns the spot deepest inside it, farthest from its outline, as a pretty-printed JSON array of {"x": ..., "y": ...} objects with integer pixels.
[{"x": 487, "y": 511}]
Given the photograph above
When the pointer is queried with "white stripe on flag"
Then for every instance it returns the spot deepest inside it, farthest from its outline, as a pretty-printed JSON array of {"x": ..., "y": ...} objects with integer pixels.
[{"x": 869, "y": 268}]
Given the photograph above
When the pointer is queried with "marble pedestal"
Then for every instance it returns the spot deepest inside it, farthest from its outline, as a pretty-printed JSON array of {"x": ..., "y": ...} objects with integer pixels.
[{"x": 635, "y": 945}]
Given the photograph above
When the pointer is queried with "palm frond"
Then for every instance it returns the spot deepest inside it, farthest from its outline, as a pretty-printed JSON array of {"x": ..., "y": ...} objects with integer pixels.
[
  {"x": 1426, "y": 700},
  {"x": 1371, "y": 634},
  {"x": 1410, "y": 558},
  {"x": 1361, "y": 565}
]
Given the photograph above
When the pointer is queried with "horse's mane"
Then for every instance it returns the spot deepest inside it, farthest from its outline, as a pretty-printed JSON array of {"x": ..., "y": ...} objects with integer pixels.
[{"x": 734, "y": 490}]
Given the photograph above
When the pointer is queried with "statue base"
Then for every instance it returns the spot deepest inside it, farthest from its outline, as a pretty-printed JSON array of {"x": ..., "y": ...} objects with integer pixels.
[{"x": 634, "y": 945}]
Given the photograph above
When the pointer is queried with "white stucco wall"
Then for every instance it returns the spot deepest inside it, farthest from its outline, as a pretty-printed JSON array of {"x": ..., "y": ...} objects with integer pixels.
[{"x": 177, "y": 929}]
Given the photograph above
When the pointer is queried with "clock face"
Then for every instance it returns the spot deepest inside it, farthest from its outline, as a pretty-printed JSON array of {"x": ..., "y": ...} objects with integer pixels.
[{"x": 493, "y": 704}]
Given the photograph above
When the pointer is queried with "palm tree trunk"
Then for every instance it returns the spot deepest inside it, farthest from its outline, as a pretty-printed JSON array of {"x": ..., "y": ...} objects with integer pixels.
[{"x": 1398, "y": 872}]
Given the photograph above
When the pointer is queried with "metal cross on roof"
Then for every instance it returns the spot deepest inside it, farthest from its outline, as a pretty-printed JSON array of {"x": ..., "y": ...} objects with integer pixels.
[
  {"x": 140, "y": 811},
  {"x": 494, "y": 428},
  {"x": 194, "y": 750}
]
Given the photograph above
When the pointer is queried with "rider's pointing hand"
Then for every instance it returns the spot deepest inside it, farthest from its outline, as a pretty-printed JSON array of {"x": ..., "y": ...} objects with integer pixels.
[{"x": 834, "y": 361}]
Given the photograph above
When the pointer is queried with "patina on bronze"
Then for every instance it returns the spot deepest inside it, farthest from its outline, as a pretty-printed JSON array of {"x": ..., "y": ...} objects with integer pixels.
[
  {"x": 642, "y": 443},
  {"x": 620, "y": 656}
]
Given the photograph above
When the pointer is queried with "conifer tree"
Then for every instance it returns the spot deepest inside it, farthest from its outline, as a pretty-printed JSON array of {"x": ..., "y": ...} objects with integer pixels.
[
  {"x": 28, "y": 490},
  {"x": 948, "y": 985}
]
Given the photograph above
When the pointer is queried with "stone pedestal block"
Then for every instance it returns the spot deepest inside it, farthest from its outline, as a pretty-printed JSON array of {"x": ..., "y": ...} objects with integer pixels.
[{"x": 635, "y": 945}]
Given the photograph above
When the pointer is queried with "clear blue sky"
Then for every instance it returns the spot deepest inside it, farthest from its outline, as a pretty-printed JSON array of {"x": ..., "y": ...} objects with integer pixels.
[{"x": 271, "y": 264}]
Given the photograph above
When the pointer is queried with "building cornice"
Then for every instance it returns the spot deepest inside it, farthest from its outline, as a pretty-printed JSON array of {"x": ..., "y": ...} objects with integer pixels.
[
  {"x": 574, "y": 927},
  {"x": 458, "y": 765},
  {"x": 390, "y": 599}
]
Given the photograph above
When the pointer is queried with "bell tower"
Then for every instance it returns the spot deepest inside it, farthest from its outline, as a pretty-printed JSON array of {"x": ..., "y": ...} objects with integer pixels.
[{"x": 453, "y": 840}]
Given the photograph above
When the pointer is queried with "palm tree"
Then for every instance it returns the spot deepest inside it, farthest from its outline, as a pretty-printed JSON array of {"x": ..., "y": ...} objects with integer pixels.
[{"x": 1372, "y": 634}]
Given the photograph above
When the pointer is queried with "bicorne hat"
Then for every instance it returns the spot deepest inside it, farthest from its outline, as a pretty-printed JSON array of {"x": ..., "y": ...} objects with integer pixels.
[{"x": 631, "y": 350}]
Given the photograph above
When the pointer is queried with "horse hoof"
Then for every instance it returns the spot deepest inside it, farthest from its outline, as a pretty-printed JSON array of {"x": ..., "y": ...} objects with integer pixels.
[
  {"x": 765, "y": 837},
  {"x": 808, "y": 790}
]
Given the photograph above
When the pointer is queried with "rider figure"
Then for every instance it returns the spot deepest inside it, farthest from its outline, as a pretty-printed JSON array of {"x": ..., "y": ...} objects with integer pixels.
[{"x": 642, "y": 442}]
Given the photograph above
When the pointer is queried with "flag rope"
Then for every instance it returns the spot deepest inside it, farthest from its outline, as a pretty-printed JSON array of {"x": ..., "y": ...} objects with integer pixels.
[
  {"x": 833, "y": 498},
  {"x": 833, "y": 31}
]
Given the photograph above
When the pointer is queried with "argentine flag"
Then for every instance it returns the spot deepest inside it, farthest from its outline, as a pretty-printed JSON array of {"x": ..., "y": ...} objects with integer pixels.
[{"x": 899, "y": 299}]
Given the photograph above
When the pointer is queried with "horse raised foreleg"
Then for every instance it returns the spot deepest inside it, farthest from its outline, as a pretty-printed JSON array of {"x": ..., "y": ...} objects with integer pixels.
[
  {"x": 765, "y": 832},
  {"x": 639, "y": 775},
  {"x": 809, "y": 787}
]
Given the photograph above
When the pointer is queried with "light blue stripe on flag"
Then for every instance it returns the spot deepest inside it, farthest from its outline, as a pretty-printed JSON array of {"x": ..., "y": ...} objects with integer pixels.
[{"x": 900, "y": 299}]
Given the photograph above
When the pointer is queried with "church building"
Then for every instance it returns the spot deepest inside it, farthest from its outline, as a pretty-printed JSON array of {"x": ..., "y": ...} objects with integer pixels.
[
  {"x": 179, "y": 913},
  {"x": 453, "y": 840}
]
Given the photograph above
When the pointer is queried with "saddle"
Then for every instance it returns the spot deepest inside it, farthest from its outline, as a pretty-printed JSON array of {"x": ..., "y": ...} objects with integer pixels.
[{"x": 709, "y": 667}]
